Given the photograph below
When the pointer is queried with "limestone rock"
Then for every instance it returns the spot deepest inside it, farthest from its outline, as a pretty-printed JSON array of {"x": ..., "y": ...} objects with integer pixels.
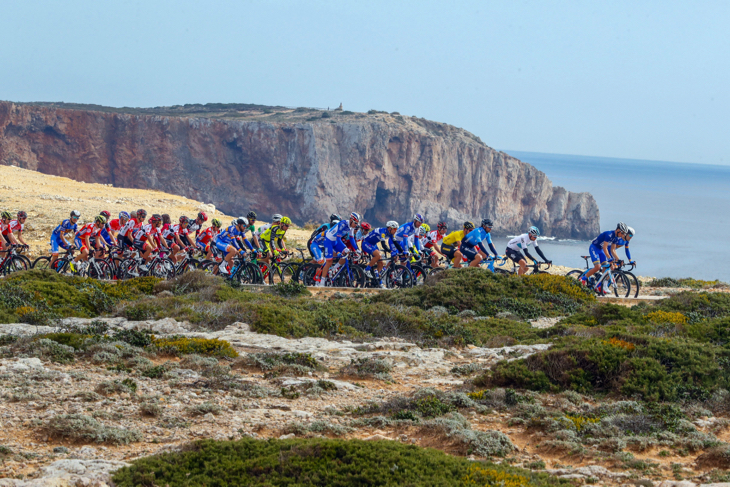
[{"x": 383, "y": 170}]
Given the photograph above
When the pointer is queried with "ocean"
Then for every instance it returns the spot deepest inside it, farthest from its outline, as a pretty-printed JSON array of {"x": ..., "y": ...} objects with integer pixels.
[{"x": 676, "y": 209}]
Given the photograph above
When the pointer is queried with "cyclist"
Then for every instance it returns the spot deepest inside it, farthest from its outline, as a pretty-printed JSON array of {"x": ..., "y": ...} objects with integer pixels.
[
  {"x": 251, "y": 218},
  {"x": 451, "y": 243},
  {"x": 603, "y": 249},
  {"x": 133, "y": 224},
  {"x": 206, "y": 237},
  {"x": 370, "y": 247},
  {"x": 144, "y": 237},
  {"x": 58, "y": 236},
  {"x": 333, "y": 244},
  {"x": 432, "y": 241},
  {"x": 117, "y": 224},
  {"x": 408, "y": 230},
  {"x": 85, "y": 240},
  {"x": 177, "y": 237},
  {"x": 473, "y": 246},
  {"x": 273, "y": 237},
  {"x": 226, "y": 242},
  {"x": 6, "y": 236},
  {"x": 420, "y": 235},
  {"x": 274, "y": 220},
  {"x": 318, "y": 235},
  {"x": 14, "y": 229},
  {"x": 107, "y": 235},
  {"x": 197, "y": 224},
  {"x": 624, "y": 242},
  {"x": 519, "y": 244}
]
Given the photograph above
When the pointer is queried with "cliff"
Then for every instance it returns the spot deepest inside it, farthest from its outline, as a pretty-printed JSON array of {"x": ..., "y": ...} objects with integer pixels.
[{"x": 303, "y": 163}]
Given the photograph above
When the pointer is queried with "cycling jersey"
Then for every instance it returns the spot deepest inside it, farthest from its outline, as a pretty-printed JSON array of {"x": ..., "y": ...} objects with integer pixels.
[
  {"x": 88, "y": 230},
  {"x": 194, "y": 226},
  {"x": 521, "y": 242},
  {"x": 453, "y": 237},
  {"x": 625, "y": 244},
  {"x": 407, "y": 230},
  {"x": 433, "y": 238},
  {"x": 144, "y": 232},
  {"x": 64, "y": 227},
  {"x": 206, "y": 235},
  {"x": 609, "y": 237},
  {"x": 15, "y": 226},
  {"x": 169, "y": 231},
  {"x": 114, "y": 225},
  {"x": 274, "y": 232},
  {"x": 262, "y": 229},
  {"x": 129, "y": 228},
  {"x": 377, "y": 235},
  {"x": 227, "y": 238},
  {"x": 342, "y": 229}
]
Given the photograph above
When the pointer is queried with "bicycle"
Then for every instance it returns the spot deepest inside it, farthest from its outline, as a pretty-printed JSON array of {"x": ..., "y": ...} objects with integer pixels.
[
  {"x": 605, "y": 280},
  {"x": 348, "y": 274},
  {"x": 159, "y": 266},
  {"x": 533, "y": 268},
  {"x": 13, "y": 261}
]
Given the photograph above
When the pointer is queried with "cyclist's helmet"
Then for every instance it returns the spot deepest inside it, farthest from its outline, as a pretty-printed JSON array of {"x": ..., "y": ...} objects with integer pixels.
[
  {"x": 631, "y": 232},
  {"x": 366, "y": 227},
  {"x": 6, "y": 215},
  {"x": 184, "y": 220},
  {"x": 155, "y": 218},
  {"x": 285, "y": 220},
  {"x": 335, "y": 217},
  {"x": 242, "y": 221},
  {"x": 442, "y": 225},
  {"x": 22, "y": 214},
  {"x": 203, "y": 216},
  {"x": 100, "y": 219},
  {"x": 216, "y": 223},
  {"x": 418, "y": 218},
  {"x": 123, "y": 215},
  {"x": 392, "y": 224},
  {"x": 468, "y": 226},
  {"x": 106, "y": 215},
  {"x": 355, "y": 217},
  {"x": 426, "y": 227},
  {"x": 141, "y": 214},
  {"x": 251, "y": 215},
  {"x": 534, "y": 231},
  {"x": 276, "y": 218},
  {"x": 622, "y": 227},
  {"x": 487, "y": 223},
  {"x": 422, "y": 231},
  {"x": 75, "y": 214}
]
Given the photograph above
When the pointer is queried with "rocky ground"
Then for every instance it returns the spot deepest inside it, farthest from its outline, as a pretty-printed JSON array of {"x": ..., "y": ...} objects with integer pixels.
[{"x": 185, "y": 407}]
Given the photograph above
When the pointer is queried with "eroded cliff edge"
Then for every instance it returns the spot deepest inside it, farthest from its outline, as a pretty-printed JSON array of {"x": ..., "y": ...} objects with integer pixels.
[{"x": 381, "y": 165}]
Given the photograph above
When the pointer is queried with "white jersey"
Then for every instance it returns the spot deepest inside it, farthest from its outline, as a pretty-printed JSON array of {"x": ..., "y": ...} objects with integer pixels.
[
  {"x": 434, "y": 237},
  {"x": 262, "y": 229},
  {"x": 521, "y": 242}
]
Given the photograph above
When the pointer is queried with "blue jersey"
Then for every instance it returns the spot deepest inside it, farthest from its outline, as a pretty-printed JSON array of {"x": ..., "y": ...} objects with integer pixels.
[
  {"x": 405, "y": 231},
  {"x": 65, "y": 226},
  {"x": 606, "y": 237},
  {"x": 378, "y": 235},
  {"x": 625, "y": 244},
  {"x": 229, "y": 235},
  {"x": 476, "y": 236},
  {"x": 342, "y": 229}
]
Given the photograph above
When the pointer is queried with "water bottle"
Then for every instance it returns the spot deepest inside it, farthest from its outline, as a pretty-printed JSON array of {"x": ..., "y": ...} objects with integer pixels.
[{"x": 233, "y": 271}]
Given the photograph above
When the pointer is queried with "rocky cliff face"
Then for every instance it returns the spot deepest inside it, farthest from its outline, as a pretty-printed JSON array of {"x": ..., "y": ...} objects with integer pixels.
[{"x": 383, "y": 166}]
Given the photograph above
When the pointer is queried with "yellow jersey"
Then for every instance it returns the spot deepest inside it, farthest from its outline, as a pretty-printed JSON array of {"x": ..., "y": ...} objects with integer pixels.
[{"x": 453, "y": 237}]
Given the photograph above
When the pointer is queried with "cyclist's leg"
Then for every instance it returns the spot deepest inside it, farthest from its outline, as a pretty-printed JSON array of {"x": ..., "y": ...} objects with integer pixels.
[
  {"x": 518, "y": 259},
  {"x": 597, "y": 257},
  {"x": 472, "y": 255}
]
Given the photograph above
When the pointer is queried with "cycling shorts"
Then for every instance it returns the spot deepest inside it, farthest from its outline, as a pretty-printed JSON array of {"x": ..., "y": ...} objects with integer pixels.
[
  {"x": 186, "y": 240},
  {"x": 80, "y": 243},
  {"x": 331, "y": 247},
  {"x": 369, "y": 248},
  {"x": 597, "y": 254},
  {"x": 469, "y": 252},
  {"x": 448, "y": 250},
  {"x": 57, "y": 242},
  {"x": 124, "y": 241},
  {"x": 201, "y": 245},
  {"x": 223, "y": 246},
  {"x": 514, "y": 255},
  {"x": 316, "y": 252},
  {"x": 140, "y": 245}
]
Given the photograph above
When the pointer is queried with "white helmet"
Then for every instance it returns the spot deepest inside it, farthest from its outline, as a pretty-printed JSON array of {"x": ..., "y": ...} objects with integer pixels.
[
  {"x": 276, "y": 218},
  {"x": 534, "y": 231},
  {"x": 630, "y": 231},
  {"x": 623, "y": 227},
  {"x": 392, "y": 224}
]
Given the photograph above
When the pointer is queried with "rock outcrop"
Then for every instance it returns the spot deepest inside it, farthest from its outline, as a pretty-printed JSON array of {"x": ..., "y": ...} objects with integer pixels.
[{"x": 383, "y": 166}]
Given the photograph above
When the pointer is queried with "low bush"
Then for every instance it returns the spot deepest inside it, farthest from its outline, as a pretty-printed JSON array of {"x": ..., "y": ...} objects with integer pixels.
[
  {"x": 368, "y": 368},
  {"x": 178, "y": 345},
  {"x": 204, "y": 408},
  {"x": 317, "y": 462},
  {"x": 78, "y": 427},
  {"x": 150, "y": 408},
  {"x": 110, "y": 387}
]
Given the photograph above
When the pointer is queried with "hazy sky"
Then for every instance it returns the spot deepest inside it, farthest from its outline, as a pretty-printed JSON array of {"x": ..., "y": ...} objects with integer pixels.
[{"x": 645, "y": 80}]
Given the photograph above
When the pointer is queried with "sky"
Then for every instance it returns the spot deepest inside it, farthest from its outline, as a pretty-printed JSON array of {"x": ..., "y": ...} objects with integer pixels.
[{"x": 634, "y": 79}]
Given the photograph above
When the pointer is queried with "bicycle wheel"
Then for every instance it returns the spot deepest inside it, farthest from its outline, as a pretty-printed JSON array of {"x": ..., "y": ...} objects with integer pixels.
[
  {"x": 635, "y": 285},
  {"x": 273, "y": 275},
  {"x": 307, "y": 274},
  {"x": 100, "y": 270},
  {"x": 419, "y": 274},
  {"x": 289, "y": 273},
  {"x": 399, "y": 277},
  {"x": 16, "y": 263},
  {"x": 128, "y": 269},
  {"x": 502, "y": 271},
  {"x": 209, "y": 266},
  {"x": 623, "y": 285},
  {"x": 437, "y": 270},
  {"x": 43, "y": 262},
  {"x": 352, "y": 277},
  {"x": 163, "y": 269},
  {"x": 575, "y": 274}
]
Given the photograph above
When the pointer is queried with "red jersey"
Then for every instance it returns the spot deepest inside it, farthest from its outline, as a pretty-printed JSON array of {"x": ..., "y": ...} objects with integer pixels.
[
  {"x": 207, "y": 235},
  {"x": 129, "y": 228},
  {"x": 144, "y": 232},
  {"x": 115, "y": 225},
  {"x": 88, "y": 230}
]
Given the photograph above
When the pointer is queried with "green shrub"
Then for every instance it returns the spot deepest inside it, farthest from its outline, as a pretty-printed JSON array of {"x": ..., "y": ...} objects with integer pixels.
[
  {"x": 73, "y": 340},
  {"x": 135, "y": 338},
  {"x": 78, "y": 427},
  {"x": 204, "y": 408},
  {"x": 368, "y": 368},
  {"x": 51, "y": 350},
  {"x": 315, "y": 462},
  {"x": 110, "y": 387},
  {"x": 150, "y": 408}
]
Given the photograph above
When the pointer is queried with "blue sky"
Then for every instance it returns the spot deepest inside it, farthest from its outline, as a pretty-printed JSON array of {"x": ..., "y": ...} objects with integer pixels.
[{"x": 644, "y": 80}]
